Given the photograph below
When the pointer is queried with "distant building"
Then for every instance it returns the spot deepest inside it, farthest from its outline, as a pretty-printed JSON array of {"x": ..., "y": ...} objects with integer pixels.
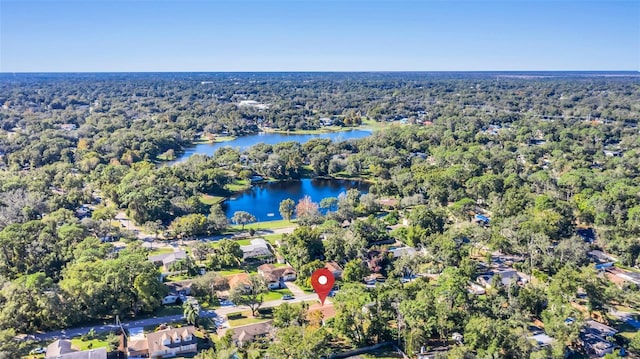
[
  {"x": 612, "y": 153},
  {"x": 166, "y": 260},
  {"x": 402, "y": 251},
  {"x": 506, "y": 276}
]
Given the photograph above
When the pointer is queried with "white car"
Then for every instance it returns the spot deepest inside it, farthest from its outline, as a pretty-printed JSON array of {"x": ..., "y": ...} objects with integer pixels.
[{"x": 40, "y": 350}]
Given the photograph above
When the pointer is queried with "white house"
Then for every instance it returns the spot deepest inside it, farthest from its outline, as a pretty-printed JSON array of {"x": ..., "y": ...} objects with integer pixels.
[{"x": 259, "y": 248}]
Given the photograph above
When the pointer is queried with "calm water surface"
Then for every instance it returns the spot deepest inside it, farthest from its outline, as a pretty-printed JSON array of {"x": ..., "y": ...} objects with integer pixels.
[
  {"x": 245, "y": 142},
  {"x": 263, "y": 200}
]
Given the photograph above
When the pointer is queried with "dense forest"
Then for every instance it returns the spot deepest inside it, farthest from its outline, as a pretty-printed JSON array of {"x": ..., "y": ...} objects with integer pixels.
[{"x": 542, "y": 155}]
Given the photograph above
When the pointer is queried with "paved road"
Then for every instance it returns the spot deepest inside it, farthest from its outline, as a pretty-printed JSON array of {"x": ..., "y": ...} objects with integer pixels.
[
  {"x": 223, "y": 311},
  {"x": 73, "y": 332}
]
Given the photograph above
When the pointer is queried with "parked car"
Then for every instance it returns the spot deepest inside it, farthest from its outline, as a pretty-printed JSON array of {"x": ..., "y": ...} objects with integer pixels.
[
  {"x": 39, "y": 350},
  {"x": 287, "y": 297}
]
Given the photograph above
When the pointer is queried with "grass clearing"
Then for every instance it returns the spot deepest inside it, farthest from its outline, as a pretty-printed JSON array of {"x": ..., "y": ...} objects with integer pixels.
[
  {"x": 272, "y": 238},
  {"x": 89, "y": 344},
  {"x": 266, "y": 225},
  {"x": 232, "y": 271},
  {"x": 211, "y": 200},
  {"x": 162, "y": 250},
  {"x": 238, "y": 185},
  {"x": 214, "y": 139}
]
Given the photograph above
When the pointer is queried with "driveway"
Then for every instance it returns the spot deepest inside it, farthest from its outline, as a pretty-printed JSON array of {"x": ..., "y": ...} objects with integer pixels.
[{"x": 297, "y": 291}]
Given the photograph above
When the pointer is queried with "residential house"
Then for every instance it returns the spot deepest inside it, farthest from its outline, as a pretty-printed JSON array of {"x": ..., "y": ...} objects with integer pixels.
[
  {"x": 63, "y": 349},
  {"x": 612, "y": 153},
  {"x": 168, "y": 259},
  {"x": 334, "y": 268},
  {"x": 257, "y": 250},
  {"x": 593, "y": 338},
  {"x": 236, "y": 280},
  {"x": 171, "y": 342},
  {"x": 402, "y": 251},
  {"x": 601, "y": 257},
  {"x": 245, "y": 334},
  {"x": 164, "y": 344},
  {"x": 326, "y": 121},
  {"x": 507, "y": 277},
  {"x": 276, "y": 277},
  {"x": 182, "y": 287},
  {"x": 623, "y": 275}
]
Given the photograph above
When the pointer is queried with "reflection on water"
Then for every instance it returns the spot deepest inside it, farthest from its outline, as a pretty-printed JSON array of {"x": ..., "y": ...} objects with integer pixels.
[
  {"x": 245, "y": 142},
  {"x": 263, "y": 200}
]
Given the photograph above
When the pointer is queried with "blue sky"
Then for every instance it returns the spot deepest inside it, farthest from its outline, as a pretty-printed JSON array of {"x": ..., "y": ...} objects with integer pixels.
[{"x": 310, "y": 35}]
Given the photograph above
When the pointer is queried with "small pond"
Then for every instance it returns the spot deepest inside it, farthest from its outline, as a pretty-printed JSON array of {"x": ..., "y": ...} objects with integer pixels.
[{"x": 263, "y": 199}]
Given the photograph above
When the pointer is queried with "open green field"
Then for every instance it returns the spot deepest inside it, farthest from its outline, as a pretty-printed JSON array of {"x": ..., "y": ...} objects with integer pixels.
[
  {"x": 238, "y": 185},
  {"x": 211, "y": 200},
  {"x": 216, "y": 139}
]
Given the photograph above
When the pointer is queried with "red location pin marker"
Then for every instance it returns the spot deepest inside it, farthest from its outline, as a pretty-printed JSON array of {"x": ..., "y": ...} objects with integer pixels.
[{"x": 322, "y": 282}]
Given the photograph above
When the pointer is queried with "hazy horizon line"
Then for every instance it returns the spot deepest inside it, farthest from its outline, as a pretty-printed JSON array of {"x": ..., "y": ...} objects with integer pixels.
[{"x": 302, "y": 71}]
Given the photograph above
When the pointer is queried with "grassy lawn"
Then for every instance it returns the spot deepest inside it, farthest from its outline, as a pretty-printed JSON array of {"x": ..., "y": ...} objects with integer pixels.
[
  {"x": 176, "y": 278},
  {"x": 242, "y": 318},
  {"x": 216, "y": 139},
  {"x": 281, "y": 223},
  {"x": 230, "y": 271},
  {"x": 238, "y": 185},
  {"x": 272, "y": 238},
  {"x": 158, "y": 251},
  {"x": 164, "y": 310},
  {"x": 211, "y": 200},
  {"x": 368, "y": 123},
  {"x": 89, "y": 344},
  {"x": 276, "y": 294}
]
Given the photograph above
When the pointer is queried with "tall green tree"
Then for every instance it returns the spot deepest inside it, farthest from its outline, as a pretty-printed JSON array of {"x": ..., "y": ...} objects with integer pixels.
[
  {"x": 242, "y": 218},
  {"x": 287, "y": 208},
  {"x": 250, "y": 294}
]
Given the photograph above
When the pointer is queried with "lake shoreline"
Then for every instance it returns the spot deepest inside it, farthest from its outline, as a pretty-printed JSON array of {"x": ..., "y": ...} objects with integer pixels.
[
  {"x": 263, "y": 198},
  {"x": 208, "y": 148}
]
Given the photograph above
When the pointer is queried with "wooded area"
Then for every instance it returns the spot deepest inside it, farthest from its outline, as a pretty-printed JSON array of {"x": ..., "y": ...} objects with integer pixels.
[{"x": 541, "y": 156}]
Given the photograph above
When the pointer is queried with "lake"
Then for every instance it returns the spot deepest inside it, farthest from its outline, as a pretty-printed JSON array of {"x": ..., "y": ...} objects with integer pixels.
[
  {"x": 245, "y": 142},
  {"x": 263, "y": 199}
]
